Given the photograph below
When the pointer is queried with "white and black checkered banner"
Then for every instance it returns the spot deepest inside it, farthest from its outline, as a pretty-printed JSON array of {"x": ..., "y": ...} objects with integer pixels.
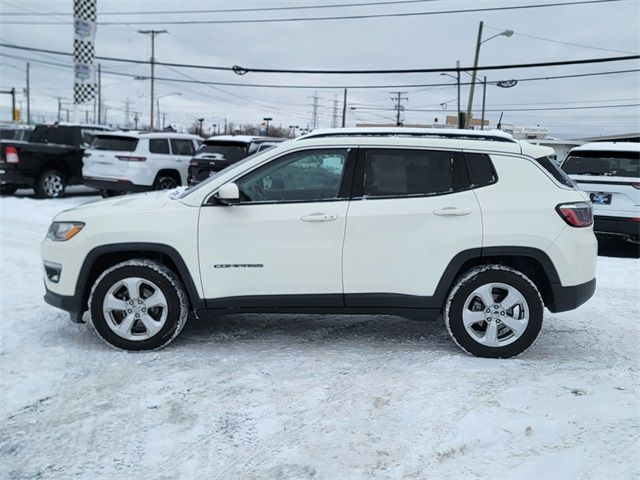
[{"x": 84, "y": 26}]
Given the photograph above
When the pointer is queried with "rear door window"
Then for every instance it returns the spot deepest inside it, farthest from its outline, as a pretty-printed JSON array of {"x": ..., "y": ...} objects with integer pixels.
[
  {"x": 114, "y": 143},
  {"x": 408, "y": 173},
  {"x": 159, "y": 145},
  {"x": 182, "y": 146},
  {"x": 60, "y": 136},
  {"x": 607, "y": 164}
]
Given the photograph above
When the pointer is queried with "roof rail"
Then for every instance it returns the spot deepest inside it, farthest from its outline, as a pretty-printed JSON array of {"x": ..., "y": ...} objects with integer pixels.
[{"x": 491, "y": 135}]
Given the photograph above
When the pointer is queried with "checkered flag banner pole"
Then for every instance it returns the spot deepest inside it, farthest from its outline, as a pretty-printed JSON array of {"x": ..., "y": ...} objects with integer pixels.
[{"x": 84, "y": 26}]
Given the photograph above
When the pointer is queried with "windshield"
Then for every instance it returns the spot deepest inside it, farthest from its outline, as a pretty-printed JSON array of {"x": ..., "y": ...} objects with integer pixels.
[
  {"x": 230, "y": 151},
  {"x": 213, "y": 177},
  {"x": 113, "y": 143},
  {"x": 609, "y": 164}
]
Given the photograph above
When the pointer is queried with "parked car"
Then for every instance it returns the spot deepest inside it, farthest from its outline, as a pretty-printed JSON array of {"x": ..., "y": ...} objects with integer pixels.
[
  {"x": 120, "y": 162},
  {"x": 610, "y": 173},
  {"x": 49, "y": 161},
  {"x": 476, "y": 227},
  {"x": 217, "y": 153},
  {"x": 15, "y": 131}
]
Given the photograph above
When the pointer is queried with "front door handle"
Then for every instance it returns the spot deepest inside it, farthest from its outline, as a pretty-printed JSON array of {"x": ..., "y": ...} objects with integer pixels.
[
  {"x": 451, "y": 212},
  {"x": 319, "y": 217}
]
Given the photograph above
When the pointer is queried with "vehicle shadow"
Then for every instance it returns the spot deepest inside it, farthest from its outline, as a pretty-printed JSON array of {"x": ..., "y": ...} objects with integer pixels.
[
  {"x": 74, "y": 191},
  {"x": 612, "y": 247}
]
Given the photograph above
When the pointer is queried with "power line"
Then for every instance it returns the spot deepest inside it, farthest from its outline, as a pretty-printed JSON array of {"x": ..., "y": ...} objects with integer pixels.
[
  {"x": 520, "y": 34},
  {"x": 236, "y": 10},
  {"x": 316, "y": 19},
  {"x": 512, "y": 109},
  {"x": 192, "y": 80},
  {"x": 243, "y": 70}
]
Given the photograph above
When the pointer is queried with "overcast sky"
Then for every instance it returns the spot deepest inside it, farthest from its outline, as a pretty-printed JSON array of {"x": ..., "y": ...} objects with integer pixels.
[{"x": 385, "y": 43}]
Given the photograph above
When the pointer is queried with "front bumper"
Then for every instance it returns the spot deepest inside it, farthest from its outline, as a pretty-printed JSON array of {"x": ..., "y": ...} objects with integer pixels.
[
  {"x": 71, "y": 304},
  {"x": 115, "y": 185},
  {"x": 624, "y": 227},
  {"x": 570, "y": 298}
]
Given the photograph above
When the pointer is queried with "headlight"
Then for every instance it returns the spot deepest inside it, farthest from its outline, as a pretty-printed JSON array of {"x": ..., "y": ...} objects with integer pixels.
[{"x": 63, "y": 231}]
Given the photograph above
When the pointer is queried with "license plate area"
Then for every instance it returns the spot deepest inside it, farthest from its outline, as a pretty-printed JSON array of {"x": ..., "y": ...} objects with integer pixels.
[{"x": 601, "y": 198}]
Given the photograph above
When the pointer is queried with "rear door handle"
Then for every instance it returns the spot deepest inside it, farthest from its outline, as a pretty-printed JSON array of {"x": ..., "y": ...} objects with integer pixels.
[
  {"x": 451, "y": 212},
  {"x": 319, "y": 217}
]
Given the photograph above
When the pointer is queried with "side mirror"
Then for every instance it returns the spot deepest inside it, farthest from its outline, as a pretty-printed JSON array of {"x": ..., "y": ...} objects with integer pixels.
[{"x": 228, "y": 194}]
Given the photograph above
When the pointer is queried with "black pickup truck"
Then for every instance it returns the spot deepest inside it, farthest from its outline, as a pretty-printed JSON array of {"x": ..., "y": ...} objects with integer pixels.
[{"x": 48, "y": 162}]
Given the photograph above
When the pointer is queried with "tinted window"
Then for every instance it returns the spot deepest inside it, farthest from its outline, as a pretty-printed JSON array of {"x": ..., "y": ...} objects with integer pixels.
[
  {"x": 113, "y": 143},
  {"x": 230, "y": 151},
  {"x": 60, "y": 135},
  {"x": 8, "y": 134},
  {"x": 618, "y": 164},
  {"x": 552, "y": 168},
  {"x": 303, "y": 176},
  {"x": 393, "y": 173},
  {"x": 481, "y": 171},
  {"x": 182, "y": 147},
  {"x": 158, "y": 145}
]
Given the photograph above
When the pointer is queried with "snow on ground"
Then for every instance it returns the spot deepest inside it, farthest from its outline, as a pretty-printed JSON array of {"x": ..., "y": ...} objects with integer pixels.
[{"x": 270, "y": 397}]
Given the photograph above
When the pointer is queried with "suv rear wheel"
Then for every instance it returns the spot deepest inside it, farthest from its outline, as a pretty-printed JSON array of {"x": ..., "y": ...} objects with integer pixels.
[
  {"x": 138, "y": 305},
  {"x": 51, "y": 184},
  {"x": 166, "y": 182},
  {"x": 494, "y": 311}
]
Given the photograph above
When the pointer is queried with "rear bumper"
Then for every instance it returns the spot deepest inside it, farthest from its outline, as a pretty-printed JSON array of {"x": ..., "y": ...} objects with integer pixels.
[
  {"x": 570, "y": 298},
  {"x": 17, "y": 177},
  {"x": 115, "y": 185},
  {"x": 71, "y": 304},
  {"x": 617, "y": 227}
]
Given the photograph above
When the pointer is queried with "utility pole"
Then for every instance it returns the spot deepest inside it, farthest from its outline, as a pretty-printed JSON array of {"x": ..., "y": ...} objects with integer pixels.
[
  {"x": 99, "y": 94},
  {"x": 152, "y": 34},
  {"x": 399, "y": 97},
  {"x": 28, "y": 94},
  {"x": 164, "y": 119},
  {"x": 460, "y": 121},
  {"x": 59, "y": 109},
  {"x": 314, "y": 112},
  {"x": 127, "y": 115},
  {"x": 334, "y": 118},
  {"x": 344, "y": 109},
  {"x": 484, "y": 98},
  {"x": 200, "y": 120},
  {"x": 135, "y": 119},
  {"x": 473, "y": 75}
]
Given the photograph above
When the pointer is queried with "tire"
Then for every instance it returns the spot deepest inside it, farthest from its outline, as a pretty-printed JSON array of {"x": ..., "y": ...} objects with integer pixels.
[
  {"x": 51, "y": 184},
  {"x": 109, "y": 193},
  {"x": 8, "y": 189},
  {"x": 498, "y": 329},
  {"x": 138, "y": 325},
  {"x": 165, "y": 182}
]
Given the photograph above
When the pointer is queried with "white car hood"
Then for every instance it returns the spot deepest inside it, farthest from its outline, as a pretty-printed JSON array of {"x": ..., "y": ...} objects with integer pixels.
[{"x": 140, "y": 202}]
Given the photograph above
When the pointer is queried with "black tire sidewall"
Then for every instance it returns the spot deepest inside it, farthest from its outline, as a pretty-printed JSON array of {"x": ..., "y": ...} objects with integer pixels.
[
  {"x": 40, "y": 187},
  {"x": 166, "y": 177},
  {"x": 531, "y": 295},
  {"x": 165, "y": 284}
]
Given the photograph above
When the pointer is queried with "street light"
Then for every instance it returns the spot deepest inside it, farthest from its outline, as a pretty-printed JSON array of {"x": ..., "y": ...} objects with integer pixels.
[
  {"x": 200, "y": 120},
  {"x": 506, "y": 33},
  {"x": 158, "y": 104},
  {"x": 267, "y": 119},
  {"x": 457, "y": 79}
]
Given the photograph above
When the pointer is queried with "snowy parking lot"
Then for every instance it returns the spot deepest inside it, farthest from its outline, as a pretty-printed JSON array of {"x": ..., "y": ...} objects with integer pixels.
[{"x": 336, "y": 397}]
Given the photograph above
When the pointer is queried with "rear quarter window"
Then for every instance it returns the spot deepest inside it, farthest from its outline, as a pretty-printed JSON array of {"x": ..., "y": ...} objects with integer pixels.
[
  {"x": 550, "y": 166},
  {"x": 481, "y": 171}
]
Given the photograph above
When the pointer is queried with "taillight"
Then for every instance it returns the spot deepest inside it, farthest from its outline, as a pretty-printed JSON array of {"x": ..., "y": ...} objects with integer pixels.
[
  {"x": 11, "y": 155},
  {"x": 578, "y": 214},
  {"x": 126, "y": 158}
]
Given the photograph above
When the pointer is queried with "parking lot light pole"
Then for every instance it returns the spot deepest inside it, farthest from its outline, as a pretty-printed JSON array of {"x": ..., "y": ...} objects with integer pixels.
[
  {"x": 505, "y": 33},
  {"x": 457, "y": 79},
  {"x": 267, "y": 119}
]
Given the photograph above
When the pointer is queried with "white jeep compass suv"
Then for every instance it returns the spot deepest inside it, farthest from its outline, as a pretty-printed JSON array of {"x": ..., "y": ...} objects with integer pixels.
[{"x": 473, "y": 226}]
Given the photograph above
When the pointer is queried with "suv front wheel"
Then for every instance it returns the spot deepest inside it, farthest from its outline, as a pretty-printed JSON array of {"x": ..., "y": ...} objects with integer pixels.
[
  {"x": 494, "y": 311},
  {"x": 138, "y": 305}
]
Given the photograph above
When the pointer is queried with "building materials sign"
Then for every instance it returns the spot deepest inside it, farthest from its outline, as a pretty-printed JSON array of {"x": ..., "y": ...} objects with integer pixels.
[{"x": 84, "y": 26}]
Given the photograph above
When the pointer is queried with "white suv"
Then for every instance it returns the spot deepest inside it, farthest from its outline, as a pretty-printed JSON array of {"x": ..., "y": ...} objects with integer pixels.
[
  {"x": 471, "y": 225},
  {"x": 137, "y": 162},
  {"x": 610, "y": 173}
]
